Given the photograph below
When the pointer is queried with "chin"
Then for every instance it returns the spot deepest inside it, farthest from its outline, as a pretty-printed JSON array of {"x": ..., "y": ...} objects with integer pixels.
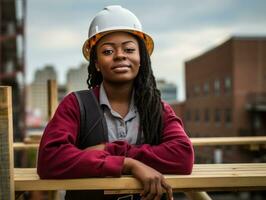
[{"x": 121, "y": 81}]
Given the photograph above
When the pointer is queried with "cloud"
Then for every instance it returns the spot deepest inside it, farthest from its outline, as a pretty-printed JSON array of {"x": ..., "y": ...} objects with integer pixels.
[{"x": 55, "y": 39}]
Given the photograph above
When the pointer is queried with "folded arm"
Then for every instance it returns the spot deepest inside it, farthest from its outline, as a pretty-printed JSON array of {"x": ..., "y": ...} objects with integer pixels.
[
  {"x": 174, "y": 155},
  {"x": 60, "y": 158}
]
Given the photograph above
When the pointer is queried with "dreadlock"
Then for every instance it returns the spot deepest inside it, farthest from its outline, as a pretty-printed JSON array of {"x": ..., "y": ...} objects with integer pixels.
[
  {"x": 147, "y": 97},
  {"x": 94, "y": 77}
]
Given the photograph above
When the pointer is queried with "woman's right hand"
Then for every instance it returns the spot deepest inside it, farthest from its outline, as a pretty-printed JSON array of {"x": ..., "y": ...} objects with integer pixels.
[{"x": 153, "y": 181}]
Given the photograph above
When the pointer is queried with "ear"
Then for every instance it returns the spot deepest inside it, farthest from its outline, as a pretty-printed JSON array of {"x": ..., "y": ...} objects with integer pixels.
[{"x": 97, "y": 67}]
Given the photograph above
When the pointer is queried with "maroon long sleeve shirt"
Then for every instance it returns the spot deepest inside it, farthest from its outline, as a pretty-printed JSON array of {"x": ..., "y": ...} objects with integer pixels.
[{"x": 60, "y": 158}]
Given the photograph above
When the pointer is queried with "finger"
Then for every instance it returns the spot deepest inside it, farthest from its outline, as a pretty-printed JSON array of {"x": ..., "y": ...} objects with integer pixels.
[
  {"x": 153, "y": 191},
  {"x": 168, "y": 189},
  {"x": 159, "y": 190},
  {"x": 146, "y": 189}
]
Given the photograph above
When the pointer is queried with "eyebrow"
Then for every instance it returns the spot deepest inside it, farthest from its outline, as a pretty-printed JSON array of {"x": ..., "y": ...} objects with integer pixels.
[{"x": 113, "y": 44}]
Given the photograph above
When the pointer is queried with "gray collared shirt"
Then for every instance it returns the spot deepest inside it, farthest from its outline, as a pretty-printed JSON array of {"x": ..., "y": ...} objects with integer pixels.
[{"x": 120, "y": 128}]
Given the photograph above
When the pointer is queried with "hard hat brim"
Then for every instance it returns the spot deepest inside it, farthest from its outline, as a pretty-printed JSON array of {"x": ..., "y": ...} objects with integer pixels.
[{"x": 89, "y": 43}]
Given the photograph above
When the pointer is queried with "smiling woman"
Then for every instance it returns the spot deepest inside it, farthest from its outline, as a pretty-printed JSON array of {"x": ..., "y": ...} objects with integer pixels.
[
  {"x": 118, "y": 58},
  {"x": 136, "y": 132}
]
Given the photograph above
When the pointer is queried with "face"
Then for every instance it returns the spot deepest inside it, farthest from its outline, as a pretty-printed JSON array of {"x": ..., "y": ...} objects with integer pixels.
[{"x": 118, "y": 57}]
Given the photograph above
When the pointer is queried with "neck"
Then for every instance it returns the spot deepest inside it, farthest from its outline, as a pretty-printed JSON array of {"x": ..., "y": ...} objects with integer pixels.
[{"x": 118, "y": 92}]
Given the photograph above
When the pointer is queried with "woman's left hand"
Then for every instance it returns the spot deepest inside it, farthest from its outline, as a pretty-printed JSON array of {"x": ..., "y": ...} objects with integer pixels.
[{"x": 154, "y": 183}]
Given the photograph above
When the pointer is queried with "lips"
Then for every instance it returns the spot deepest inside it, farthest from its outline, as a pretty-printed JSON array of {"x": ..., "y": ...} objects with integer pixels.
[{"x": 121, "y": 66}]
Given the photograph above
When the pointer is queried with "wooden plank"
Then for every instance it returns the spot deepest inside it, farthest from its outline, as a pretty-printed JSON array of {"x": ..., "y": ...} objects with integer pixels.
[
  {"x": 6, "y": 144},
  {"x": 212, "y": 141},
  {"x": 234, "y": 177},
  {"x": 23, "y": 146},
  {"x": 52, "y": 97}
]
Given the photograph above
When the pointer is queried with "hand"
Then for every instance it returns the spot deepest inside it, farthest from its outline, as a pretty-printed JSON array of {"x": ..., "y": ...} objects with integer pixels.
[
  {"x": 153, "y": 181},
  {"x": 96, "y": 147}
]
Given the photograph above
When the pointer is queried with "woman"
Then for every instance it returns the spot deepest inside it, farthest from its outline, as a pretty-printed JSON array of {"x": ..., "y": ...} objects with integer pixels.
[{"x": 145, "y": 138}]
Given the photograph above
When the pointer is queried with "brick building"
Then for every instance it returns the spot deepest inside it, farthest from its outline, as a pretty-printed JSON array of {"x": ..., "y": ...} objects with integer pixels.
[
  {"x": 226, "y": 88},
  {"x": 226, "y": 94}
]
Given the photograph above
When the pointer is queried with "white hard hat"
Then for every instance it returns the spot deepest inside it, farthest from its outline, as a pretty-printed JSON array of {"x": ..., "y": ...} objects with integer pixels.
[{"x": 114, "y": 18}]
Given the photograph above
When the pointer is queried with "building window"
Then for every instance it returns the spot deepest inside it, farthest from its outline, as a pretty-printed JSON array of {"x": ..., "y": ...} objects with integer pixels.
[
  {"x": 206, "y": 115},
  {"x": 228, "y": 117},
  {"x": 188, "y": 117},
  {"x": 217, "y": 116},
  {"x": 197, "y": 116},
  {"x": 257, "y": 122},
  {"x": 217, "y": 87},
  {"x": 206, "y": 88},
  {"x": 9, "y": 66},
  {"x": 188, "y": 93},
  {"x": 227, "y": 85},
  {"x": 196, "y": 90}
]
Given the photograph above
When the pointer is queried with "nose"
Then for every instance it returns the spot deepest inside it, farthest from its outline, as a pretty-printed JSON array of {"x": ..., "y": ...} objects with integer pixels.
[{"x": 120, "y": 54}]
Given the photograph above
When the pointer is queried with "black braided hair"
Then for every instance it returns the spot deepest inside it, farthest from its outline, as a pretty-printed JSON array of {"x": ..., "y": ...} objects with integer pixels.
[{"x": 147, "y": 97}]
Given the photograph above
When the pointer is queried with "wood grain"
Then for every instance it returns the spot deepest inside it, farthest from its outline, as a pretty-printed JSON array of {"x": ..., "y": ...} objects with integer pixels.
[{"x": 6, "y": 144}]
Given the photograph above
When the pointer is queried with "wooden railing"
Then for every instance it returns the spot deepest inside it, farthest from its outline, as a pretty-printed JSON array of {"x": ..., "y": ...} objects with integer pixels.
[
  {"x": 205, "y": 177},
  {"x": 252, "y": 141},
  {"x": 7, "y": 186},
  {"x": 224, "y": 141}
]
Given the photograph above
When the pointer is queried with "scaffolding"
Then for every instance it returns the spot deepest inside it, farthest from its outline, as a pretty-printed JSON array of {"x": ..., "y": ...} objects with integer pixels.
[{"x": 12, "y": 58}]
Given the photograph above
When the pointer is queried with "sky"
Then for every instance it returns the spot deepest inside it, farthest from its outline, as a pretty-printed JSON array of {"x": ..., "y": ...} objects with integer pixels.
[{"x": 181, "y": 30}]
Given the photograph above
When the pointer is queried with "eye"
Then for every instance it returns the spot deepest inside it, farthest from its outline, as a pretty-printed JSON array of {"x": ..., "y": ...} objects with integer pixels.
[
  {"x": 129, "y": 50},
  {"x": 107, "y": 52}
]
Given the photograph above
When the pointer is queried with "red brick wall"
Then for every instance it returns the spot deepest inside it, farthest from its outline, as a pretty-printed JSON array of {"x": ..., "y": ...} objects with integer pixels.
[
  {"x": 244, "y": 61},
  {"x": 213, "y": 65}
]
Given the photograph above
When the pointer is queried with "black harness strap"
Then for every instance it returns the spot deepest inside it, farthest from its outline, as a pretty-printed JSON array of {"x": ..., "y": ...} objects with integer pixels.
[{"x": 93, "y": 127}]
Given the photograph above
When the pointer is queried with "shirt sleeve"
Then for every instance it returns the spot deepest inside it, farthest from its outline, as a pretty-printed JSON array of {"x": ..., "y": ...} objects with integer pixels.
[
  {"x": 60, "y": 158},
  {"x": 174, "y": 155}
]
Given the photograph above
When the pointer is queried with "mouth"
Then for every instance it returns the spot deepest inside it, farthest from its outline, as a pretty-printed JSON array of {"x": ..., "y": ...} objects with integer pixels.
[{"x": 121, "y": 66}]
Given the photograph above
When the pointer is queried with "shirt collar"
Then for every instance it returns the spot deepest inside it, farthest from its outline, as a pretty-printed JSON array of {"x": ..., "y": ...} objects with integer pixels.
[{"x": 103, "y": 100}]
